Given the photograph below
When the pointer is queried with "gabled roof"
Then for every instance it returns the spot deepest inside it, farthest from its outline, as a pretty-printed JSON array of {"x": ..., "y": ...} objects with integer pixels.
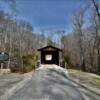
[{"x": 49, "y": 46}]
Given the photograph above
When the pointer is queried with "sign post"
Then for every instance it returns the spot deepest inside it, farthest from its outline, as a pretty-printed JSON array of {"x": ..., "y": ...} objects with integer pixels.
[{"x": 3, "y": 57}]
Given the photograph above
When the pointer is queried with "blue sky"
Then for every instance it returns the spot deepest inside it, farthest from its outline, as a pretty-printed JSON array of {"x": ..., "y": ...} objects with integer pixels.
[{"x": 48, "y": 15}]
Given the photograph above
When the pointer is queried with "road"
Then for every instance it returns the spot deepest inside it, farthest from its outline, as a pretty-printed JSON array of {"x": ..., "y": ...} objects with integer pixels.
[
  {"x": 52, "y": 84},
  {"x": 7, "y": 81}
]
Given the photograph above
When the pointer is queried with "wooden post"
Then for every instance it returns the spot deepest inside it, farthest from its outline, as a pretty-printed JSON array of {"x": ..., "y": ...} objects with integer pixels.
[
  {"x": 1, "y": 66},
  {"x": 65, "y": 65},
  {"x": 2, "y": 63}
]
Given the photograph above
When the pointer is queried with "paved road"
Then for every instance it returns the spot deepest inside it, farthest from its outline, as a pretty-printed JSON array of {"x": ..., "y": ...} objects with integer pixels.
[
  {"x": 52, "y": 84},
  {"x": 7, "y": 81}
]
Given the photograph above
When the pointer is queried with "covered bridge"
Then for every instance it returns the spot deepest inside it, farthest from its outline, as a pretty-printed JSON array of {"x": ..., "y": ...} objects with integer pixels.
[{"x": 49, "y": 55}]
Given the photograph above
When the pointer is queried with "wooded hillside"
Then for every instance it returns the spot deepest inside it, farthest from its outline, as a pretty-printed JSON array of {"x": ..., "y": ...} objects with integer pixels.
[
  {"x": 81, "y": 47},
  {"x": 17, "y": 39}
]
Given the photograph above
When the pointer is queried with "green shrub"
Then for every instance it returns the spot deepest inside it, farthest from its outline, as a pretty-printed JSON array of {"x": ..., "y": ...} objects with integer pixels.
[{"x": 29, "y": 63}]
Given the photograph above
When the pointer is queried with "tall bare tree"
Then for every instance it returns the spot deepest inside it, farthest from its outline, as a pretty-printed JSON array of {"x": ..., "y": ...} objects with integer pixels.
[
  {"x": 96, "y": 25},
  {"x": 78, "y": 23}
]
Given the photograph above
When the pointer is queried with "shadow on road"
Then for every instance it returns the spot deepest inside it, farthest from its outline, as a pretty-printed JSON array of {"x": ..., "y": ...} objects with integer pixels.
[{"x": 51, "y": 84}]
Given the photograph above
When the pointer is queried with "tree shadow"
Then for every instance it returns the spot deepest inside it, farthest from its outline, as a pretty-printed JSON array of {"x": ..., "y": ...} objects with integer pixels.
[{"x": 58, "y": 87}]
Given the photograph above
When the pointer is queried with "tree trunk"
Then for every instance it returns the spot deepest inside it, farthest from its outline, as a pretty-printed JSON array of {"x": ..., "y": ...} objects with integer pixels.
[
  {"x": 96, "y": 6},
  {"x": 9, "y": 53}
]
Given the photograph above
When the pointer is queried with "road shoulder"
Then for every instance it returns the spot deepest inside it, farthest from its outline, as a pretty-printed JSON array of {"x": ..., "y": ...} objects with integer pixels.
[{"x": 17, "y": 86}]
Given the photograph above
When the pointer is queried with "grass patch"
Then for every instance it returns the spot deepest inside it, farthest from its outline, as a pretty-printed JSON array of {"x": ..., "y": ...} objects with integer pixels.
[
  {"x": 87, "y": 78},
  {"x": 97, "y": 80}
]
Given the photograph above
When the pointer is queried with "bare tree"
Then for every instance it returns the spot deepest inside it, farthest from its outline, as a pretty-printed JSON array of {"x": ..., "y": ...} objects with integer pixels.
[
  {"x": 96, "y": 26},
  {"x": 78, "y": 23}
]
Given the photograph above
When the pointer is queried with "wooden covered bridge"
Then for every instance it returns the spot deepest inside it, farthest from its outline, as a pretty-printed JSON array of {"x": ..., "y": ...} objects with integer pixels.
[{"x": 50, "y": 55}]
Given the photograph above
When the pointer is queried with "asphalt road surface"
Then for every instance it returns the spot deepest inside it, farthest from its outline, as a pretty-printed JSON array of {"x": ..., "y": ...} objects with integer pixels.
[
  {"x": 7, "y": 81},
  {"x": 52, "y": 84}
]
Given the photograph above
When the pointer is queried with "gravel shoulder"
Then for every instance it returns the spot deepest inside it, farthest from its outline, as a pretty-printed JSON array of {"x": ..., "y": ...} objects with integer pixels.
[{"x": 7, "y": 81}]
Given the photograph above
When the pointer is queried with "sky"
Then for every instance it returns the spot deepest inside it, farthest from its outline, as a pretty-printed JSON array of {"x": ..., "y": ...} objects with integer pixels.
[{"x": 48, "y": 15}]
